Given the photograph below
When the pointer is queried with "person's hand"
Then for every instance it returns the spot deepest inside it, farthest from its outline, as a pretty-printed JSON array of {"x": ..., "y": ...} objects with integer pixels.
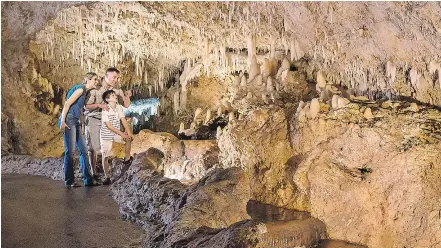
[
  {"x": 64, "y": 125},
  {"x": 104, "y": 107},
  {"x": 128, "y": 93},
  {"x": 125, "y": 136}
]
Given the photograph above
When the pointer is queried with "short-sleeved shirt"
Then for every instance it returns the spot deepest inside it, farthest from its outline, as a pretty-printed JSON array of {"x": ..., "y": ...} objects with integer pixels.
[
  {"x": 77, "y": 106},
  {"x": 96, "y": 97},
  {"x": 114, "y": 117}
]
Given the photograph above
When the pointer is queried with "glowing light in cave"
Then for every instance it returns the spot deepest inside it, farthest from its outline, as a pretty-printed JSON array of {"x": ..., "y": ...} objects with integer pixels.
[{"x": 140, "y": 111}]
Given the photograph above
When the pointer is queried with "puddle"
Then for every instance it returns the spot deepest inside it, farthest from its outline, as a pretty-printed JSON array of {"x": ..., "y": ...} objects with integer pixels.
[{"x": 268, "y": 213}]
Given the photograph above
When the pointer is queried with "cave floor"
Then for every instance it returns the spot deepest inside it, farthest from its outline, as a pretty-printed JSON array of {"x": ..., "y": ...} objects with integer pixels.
[{"x": 39, "y": 212}]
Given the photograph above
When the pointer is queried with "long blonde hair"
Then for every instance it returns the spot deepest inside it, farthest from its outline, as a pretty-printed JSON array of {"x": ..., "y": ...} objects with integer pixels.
[{"x": 89, "y": 76}]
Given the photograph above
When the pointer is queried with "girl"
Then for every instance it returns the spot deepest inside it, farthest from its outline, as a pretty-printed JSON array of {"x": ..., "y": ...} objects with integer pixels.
[{"x": 69, "y": 123}]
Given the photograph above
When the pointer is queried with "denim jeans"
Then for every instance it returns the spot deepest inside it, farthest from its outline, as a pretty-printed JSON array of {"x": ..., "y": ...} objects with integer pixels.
[{"x": 73, "y": 137}]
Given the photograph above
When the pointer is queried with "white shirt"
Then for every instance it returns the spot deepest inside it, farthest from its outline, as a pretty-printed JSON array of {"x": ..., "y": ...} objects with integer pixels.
[{"x": 114, "y": 117}]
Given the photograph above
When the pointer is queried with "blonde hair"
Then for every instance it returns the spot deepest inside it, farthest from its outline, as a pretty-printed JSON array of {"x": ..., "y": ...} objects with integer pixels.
[{"x": 89, "y": 76}]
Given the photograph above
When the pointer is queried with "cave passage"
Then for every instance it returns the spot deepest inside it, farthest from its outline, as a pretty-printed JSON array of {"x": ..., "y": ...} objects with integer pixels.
[{"x": 140, "y": 112}]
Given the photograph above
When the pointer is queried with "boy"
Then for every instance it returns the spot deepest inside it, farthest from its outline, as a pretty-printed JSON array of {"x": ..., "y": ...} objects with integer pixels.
[{"x": 111, "y": 132}]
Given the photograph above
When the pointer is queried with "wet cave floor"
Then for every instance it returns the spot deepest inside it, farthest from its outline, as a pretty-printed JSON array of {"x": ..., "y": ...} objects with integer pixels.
[{"x": 40, "y": 212}]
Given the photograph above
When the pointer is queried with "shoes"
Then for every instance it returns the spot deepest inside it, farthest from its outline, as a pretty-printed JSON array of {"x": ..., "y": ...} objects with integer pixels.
[
  {"x": 92, "y": 184},
  {"x": 107, "y": 181},
  {"x": 128, "y": 161},
  {"x": 74, "y": 185}
]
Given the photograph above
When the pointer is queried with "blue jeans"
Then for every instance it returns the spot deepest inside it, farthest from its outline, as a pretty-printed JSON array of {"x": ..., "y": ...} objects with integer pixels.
[{"x": 73, "y": 137}]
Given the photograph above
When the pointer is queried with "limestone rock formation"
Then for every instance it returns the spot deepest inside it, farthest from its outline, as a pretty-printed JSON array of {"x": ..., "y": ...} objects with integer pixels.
[
  {"x": 167, "y": 208},
  {"x": 182, "y": 159},
  {"x": 259, "y": 144},
  {"x": 356, "y": 172}
]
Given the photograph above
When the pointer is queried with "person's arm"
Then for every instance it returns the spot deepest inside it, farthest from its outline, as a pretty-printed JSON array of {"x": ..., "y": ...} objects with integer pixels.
[
  {"x": 124, "y": 122},
  {"x": 127, "y": 127},
  {"x": 126, "y": 98},
  {"x": 77, "y": 93},
  {"x": 111, "y": 128},
  {"x": 96, "y": 105}
]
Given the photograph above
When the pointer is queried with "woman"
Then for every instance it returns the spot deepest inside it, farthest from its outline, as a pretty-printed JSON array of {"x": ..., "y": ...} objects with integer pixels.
[{"x": 69, "y": 123}]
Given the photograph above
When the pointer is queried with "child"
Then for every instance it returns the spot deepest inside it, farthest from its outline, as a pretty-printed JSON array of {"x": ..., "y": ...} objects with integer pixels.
[{"x": 111, "y": 132}]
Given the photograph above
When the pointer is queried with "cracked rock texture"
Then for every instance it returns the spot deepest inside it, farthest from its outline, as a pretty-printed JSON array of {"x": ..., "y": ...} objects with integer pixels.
[
  {"x": 379, "y": 177},
  {"x": 175, "y": 215}
]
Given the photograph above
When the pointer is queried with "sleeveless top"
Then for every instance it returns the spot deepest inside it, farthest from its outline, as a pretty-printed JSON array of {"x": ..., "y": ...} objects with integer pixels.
[{"x": 75, "y": 108}]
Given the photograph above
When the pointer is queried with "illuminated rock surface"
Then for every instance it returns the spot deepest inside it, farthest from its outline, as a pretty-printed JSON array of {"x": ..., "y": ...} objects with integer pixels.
[{"x": 327, "y": 107}]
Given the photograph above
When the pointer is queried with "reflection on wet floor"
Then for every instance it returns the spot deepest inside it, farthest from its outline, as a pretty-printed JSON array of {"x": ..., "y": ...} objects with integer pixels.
[
  {"x": 338, "y": 244},
  {"x": 267, "y": 213},
  {"x": 290, "y": 228},
  {"x": 40, "y": 212}
]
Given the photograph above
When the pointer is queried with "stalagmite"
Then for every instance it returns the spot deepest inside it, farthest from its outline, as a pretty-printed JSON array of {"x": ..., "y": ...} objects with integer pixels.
[
  {"x": 258, "y": 80},
  {"x": 413, "y": 107},
  {"x": 192, "y": 125},
  {"x": 249, "y": 96},
  {"x": 414, "y": 78},
  {"x": 321, "y": 81},
  {"x": 367, "y": 113},
  {"x": 307, "y": 111},
  {"x": 334, "y": 101},
  {"x": 254, "y": 69},
  {"x": 269, "y": 85},
  {"x": 218, "y": 132},
  {"x": 231, "y": 117},
  {"x": 266, "y": 69},
  {"x": 243, "y": 81},
  {"x": 265, "y": 98},
  {"x": 207, "y": 117},
  {"x": 150, "y": 90},
  {"x": 300, "y": 107},
  {"x": 284, "y": 68},
  {"x": 198, "y": 114},
  {"x": 342, "y": 102},
  {"x": 314, "y": 108},
  {"x": 181, "y": 128},
  {"x": 220, "y": 111},
  {"x": 237, "y": 80}
]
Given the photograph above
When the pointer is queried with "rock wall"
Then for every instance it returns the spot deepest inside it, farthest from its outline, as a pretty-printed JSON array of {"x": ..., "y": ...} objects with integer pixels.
[
  {"x": 377, "y": 175},
  {"x": 175, "y": 215}
]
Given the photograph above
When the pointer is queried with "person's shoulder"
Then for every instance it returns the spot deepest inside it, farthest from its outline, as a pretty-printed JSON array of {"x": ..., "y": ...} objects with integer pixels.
[
  {"x": 94, "y": 91},
  {"x": 79, "y": 86},
  {"x": 118, "y": 91},
  {"x": 119, "y": 107}
]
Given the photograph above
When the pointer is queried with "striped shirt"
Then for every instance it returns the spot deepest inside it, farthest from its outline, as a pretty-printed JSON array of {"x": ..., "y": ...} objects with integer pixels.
[{"x": 114, "y": 117}]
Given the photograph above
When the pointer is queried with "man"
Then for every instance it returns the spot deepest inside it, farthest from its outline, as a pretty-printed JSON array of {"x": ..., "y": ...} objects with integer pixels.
[{"x": 94, "y": 106}]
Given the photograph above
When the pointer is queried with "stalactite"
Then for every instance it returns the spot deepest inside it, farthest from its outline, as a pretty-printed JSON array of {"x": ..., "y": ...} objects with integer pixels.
[
  {"x": 251, "y": 45},
  {"x": 176, "y": 102},
  {"x": 183, "y": 102}
]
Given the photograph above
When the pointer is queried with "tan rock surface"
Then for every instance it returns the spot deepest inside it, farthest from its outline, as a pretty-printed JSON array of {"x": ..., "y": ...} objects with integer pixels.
[
  {"x": 259, "y": 144},
  {"x": 375, "y": 182},
  {"x": 183, "y": 159}
]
